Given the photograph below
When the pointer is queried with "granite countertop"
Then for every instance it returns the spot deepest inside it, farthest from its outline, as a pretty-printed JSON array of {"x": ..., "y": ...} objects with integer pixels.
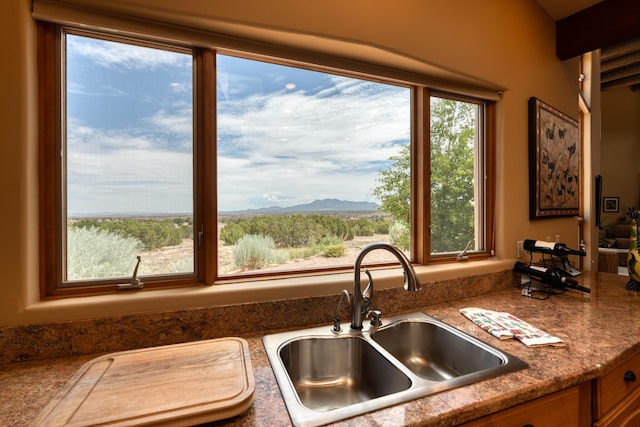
[{"x": 600, "y": 330}]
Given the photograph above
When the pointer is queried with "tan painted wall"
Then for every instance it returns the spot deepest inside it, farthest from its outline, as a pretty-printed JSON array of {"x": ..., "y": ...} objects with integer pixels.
[
  {"x": 620, "y": 155},
  {"x": 508, "y": 43}
]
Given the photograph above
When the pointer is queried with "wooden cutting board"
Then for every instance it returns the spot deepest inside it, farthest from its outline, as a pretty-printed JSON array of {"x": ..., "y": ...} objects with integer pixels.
[{"x": 182, "y": 384}]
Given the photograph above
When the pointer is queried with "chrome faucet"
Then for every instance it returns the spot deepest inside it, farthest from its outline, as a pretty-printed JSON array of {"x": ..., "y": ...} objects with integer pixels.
[{"x": 361, "y": 301}]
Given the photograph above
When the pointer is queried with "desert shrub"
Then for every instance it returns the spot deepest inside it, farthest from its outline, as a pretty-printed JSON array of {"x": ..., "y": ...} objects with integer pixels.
[
  {"x": 279, "y": 256},
  {"x": 182, "y": 220},
  {"x": 334, "y": 226},
  {"x": 294, "y": 230},
  {"x": 187, "y": 230},
  {"x": 93, "y": 253},
  {"x": 330, "y": 240},
  {"x": 364, "y": 227},
  {"x": 152, "y": 234},
  {"x": 304, "y": 252},
  {"x": 399, "y": 235},
  {"x": 381, "y": 226},
  {"x": 231, "y": 233},
  {"x": 290, "y": 231},
  {"x": 253, "y": 251},
  {"x": 334, "y": 251}
]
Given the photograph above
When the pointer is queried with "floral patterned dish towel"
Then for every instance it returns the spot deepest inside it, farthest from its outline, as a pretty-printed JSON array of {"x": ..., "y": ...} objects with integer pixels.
[{"x": 506, "y": 326}]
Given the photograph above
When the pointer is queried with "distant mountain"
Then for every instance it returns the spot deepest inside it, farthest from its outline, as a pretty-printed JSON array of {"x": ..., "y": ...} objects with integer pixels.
[{"x": 324, "y": 205}]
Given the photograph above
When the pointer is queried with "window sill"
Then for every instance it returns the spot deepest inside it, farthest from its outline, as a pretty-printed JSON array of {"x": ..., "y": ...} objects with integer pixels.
[{"x": 133, "y": 302}]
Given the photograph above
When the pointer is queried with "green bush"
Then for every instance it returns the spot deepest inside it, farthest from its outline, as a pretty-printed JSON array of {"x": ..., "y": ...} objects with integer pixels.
[
  {"x": 334, "y": 226},
  {"x": 231, "y": 233},
  {"x": 330, "y": 240},
  {"x": 253, "y": 251},
  {"x": 382, "y": 226},
  {"x": 334, "y": 251},
  {"x": 279, "y": 256},
  {"x": 93, "y": 253},
  {"x": 288, "y": 231},
  {"x": 399, "y": 235},
  {"x": 187, "y": 230},
  {"x": 304, "y": 252},
  {"x": 152, "y": 234},
  {"x": 364, "y": 227}
]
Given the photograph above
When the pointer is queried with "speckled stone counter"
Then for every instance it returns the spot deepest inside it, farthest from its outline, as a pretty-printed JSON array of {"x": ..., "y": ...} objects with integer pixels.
[{"x": 600, "y": 330}]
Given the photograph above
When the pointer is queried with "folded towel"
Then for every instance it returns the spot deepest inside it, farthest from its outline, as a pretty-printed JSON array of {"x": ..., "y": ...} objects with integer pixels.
[{"x": 505, "y": 326}]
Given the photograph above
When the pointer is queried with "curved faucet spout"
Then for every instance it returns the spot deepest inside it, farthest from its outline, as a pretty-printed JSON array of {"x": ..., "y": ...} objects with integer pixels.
[{"x": 360, "y": 301}]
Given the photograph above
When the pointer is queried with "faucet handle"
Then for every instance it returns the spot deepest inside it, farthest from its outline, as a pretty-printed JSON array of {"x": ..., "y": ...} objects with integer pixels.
[
  {"x": 367, "y": 294},
  {"x": 375, "y": 317},
  {"x": 336, "y": 320}
]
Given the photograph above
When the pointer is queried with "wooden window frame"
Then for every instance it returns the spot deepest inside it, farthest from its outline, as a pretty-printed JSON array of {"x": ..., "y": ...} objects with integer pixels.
[{"x": 49, "y": 39}]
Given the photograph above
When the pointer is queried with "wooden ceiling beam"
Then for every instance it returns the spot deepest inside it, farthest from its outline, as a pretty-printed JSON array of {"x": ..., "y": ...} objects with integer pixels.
[
  {"x": 620, "y": 50},
  {"x": 621, "y": 73},
  {"x": 632, "y": 81},
  {"x": 620, "y": 62},
  {"x": 602, "y": 25}
]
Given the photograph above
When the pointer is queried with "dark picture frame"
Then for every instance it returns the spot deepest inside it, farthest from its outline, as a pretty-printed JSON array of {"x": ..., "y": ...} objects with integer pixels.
[
  {"x": 611, "y": 204},
  {"x": 554, "y": 162}
]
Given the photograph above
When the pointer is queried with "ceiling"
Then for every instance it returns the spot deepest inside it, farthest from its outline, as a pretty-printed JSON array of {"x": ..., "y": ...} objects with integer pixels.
[
  {"x": 561, "y": 9},
  {"x": 619, "y": 47},
  {"x": 620, "y": 66}
]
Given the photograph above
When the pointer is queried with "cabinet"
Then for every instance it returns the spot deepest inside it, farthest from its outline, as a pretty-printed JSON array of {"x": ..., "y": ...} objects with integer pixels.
[
  {"x": 617, "y": 395},
  {"x": 612, "y": 400},
  {"x": 569, "y": 407}
]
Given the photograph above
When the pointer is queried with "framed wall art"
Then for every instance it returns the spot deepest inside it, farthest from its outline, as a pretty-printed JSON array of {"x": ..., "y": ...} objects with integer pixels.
[
  {"x": 554, "y": 162},
  {"x": 611, "y": 204}
]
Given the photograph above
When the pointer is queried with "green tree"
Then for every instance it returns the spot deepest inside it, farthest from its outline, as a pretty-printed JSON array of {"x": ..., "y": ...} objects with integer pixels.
[
  {"x": 394, "y": 187},
  {"x": 452, "y": 168}
]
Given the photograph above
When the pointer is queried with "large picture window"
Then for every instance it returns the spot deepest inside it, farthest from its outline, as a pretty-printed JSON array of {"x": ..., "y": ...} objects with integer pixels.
[
  {"x": 299, "y": 154},
  {"x": 215, "y": 165}
]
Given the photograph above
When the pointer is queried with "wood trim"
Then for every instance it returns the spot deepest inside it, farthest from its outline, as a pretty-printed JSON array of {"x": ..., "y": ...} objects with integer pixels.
[
  {"x": 601, "y": 25},
  {"x": 51, "y": 169},
  {"x": 421, "y": 180},
  {"x": 490, "y": 180},
  {"x": 111, "y": 288},
  {"x": 50, "y": 194},
  {"x": 47, "y": 150},
  {"x": 585, "y": 415},
  {"x": 488, "y": 157},
  {"x": 207, "y": 202}
]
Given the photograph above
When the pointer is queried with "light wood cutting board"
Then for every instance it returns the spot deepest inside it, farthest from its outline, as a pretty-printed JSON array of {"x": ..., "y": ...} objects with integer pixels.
[{"x": 182, "y": 384}]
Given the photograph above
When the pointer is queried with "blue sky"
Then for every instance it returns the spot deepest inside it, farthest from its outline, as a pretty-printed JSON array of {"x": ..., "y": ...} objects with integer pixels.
[{"x": 286, "y": 136}]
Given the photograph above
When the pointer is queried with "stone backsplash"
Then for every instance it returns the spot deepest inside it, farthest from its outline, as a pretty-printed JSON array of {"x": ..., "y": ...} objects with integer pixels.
[{"x": 119, "y": 333}]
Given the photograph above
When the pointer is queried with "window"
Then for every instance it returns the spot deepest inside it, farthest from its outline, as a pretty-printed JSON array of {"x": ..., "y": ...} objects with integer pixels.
[
  {"x": 128, "y": 157},
  {"x": 216, "y": 165},
  {"x": 299, "y": 153},
  {"x": 457, "y": 175}
]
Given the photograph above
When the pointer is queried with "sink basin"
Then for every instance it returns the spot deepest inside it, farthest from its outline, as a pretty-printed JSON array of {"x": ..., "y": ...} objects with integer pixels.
[
  {"x": 325, "y": 377},
  {"x": 330, "y": 373},
  {"x": 435, "y": 352}
]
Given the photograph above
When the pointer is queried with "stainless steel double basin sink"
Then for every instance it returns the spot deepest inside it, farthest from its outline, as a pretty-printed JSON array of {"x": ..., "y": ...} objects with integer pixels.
[{"x": 325, "y": 377}]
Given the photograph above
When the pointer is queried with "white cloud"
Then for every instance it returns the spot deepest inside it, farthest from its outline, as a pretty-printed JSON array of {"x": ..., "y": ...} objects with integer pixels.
[
  {"x": 128, "y": 56},
  {"x": 117, "y": 172},
  {"x": 180, "y": 123},
  {"x": 282, "y": 149},
  {"x": 310, "y": 147}
]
